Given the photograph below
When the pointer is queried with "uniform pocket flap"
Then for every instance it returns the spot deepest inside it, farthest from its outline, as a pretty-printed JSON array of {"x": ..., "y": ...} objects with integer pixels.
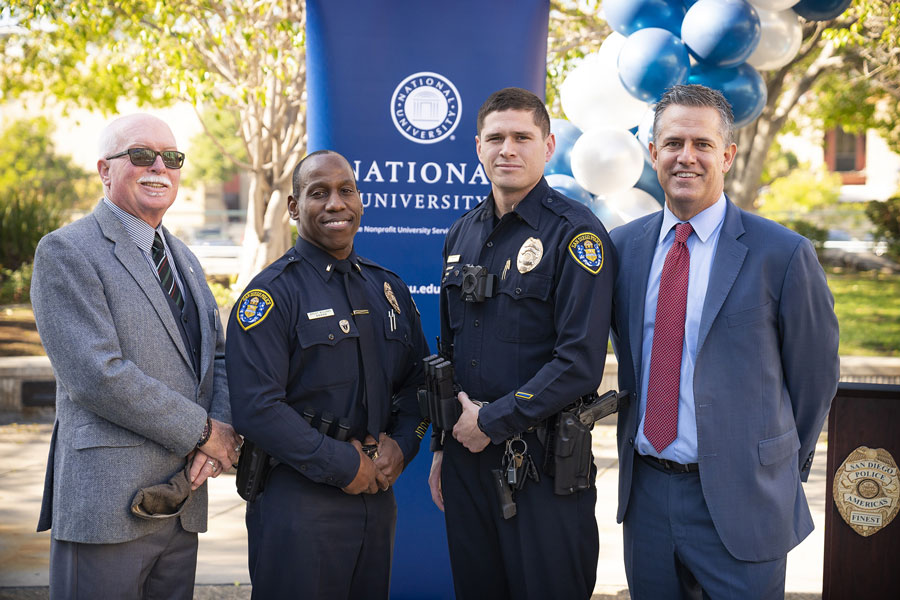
[
  {"x": 328, "y": 332},
  {"x": 105, "y": 435},
  {"x": 778, "y": 448},
  {"x": 527, "y": 285}
]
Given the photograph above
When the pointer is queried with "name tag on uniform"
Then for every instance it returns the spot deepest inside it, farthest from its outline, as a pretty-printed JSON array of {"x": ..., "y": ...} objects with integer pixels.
[
  {"x": 453, "y": 258},
  {"x": 318, "y": 314}
]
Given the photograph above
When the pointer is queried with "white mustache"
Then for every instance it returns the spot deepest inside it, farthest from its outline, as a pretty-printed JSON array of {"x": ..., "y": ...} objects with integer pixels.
[{"x": 155, "y": 179}]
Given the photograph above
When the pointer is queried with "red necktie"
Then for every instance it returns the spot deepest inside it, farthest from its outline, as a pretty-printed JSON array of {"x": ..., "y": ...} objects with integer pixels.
[{"x": 661, "y": 420}]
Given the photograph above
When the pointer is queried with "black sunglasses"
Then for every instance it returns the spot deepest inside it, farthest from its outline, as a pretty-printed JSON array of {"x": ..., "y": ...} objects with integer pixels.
[{"x": 144, "y": 157}]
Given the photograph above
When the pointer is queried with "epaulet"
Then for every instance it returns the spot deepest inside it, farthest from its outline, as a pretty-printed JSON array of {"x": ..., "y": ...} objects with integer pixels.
[
  {"x": 277, "y": 267},
  {"x": 574, "y": 212}
]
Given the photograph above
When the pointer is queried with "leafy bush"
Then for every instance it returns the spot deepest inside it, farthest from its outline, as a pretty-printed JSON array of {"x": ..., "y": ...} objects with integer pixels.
[
  {"x": 15, "y": 285},
  {"x": 37, "y": 187},
  {"x": 814, "y": 234},
  {"x": 885, "y": 216},
  {"x": 798, "y": 193}
]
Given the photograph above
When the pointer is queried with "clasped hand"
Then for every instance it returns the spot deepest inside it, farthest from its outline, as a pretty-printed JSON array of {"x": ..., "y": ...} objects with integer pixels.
[{"x": 380, "y": 473}]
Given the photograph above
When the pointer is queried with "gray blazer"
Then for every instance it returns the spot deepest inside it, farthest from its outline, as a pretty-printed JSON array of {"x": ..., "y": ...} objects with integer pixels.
[
  {"x": 129, "y": 406},
  {"x": 766, "y": 371}
]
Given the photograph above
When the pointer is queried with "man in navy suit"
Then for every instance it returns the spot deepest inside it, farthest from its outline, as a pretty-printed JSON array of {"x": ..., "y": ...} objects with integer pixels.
[{"x": 725, "y": 332}]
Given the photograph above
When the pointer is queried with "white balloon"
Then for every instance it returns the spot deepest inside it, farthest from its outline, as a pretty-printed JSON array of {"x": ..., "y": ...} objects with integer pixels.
[
  {"x": 773, "y": 4},
  {"x": 592, "y": 95},
  {"x": 609, "y": 49},
  {"x": 632, "y": 204},
  {"x": 645, "y": 127},
  {"x": 607, "y": 214},
  {"x": 780, "y": 38},
  {"x": 605, "y": 161}
]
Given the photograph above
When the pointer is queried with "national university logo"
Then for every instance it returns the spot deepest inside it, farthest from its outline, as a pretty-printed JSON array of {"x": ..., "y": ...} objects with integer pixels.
[{"x": 426, "y": 107}]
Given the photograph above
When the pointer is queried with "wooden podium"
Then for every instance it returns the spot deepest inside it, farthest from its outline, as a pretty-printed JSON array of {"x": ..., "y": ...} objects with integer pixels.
[{"x": 861, "y": 559}]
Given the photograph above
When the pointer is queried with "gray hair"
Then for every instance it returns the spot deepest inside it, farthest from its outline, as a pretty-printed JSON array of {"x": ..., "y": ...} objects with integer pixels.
[{"x": 700, "y": 96}]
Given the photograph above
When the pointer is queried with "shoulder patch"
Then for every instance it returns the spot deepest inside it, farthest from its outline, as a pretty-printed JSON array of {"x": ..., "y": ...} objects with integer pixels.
[
  {"x": 253, "y": 308},
  {"x": 587, "y": 250}
]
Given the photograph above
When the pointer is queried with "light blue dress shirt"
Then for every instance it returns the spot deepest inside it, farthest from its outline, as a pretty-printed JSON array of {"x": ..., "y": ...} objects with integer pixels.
[
  {"x": 702, "y": 247},
  {"x": 142, "y": 235}
]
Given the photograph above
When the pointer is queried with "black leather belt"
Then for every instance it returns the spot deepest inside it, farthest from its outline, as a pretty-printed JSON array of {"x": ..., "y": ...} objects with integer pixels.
[{"x": 670, "y": 466}]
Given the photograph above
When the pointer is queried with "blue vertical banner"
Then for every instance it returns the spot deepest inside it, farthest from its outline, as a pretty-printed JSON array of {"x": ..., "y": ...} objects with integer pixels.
[{"x": 395, "y": 86}]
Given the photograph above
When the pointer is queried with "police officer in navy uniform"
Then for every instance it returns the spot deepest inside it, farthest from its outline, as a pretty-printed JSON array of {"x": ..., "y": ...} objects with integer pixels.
[
  {"x": 324, "y": 354},
  {"x": 531, "y": 348}
]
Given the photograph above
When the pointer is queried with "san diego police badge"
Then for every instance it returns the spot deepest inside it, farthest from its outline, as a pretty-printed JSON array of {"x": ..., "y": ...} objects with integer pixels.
[
  {"x": 253, "y": 308},
  {"x": 587, "y": 250},
  {"x": 530, "y": 255}
]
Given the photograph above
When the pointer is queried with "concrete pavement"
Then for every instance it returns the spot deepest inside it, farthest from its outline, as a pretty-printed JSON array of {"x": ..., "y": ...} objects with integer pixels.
[{"x": 221, "y": 565}]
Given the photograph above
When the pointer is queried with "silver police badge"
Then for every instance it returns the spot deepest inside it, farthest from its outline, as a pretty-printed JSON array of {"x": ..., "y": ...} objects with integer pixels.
[
  {"x": 867, "y": 490},
  {"x": 530, "y": 255},
  {"x": 345, "y": 325},
  {"x": 389, "y": 294}
]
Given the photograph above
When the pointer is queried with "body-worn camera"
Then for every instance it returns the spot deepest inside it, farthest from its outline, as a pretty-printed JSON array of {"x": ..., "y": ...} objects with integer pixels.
[{"x": 477, "y": 283}]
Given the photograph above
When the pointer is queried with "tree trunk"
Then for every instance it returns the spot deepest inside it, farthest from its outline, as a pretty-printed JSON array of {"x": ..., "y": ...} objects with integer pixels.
[{"x": 267, "y": 234}]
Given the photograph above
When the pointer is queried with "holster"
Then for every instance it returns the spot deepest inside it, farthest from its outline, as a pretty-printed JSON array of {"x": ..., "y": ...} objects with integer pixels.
[
  {"x": 572, "y": 456},
  {"x": 253, "y": 468}
]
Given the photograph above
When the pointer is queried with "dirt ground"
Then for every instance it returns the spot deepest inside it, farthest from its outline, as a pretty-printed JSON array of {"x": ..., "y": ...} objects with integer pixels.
[{"x": 18, "y": 334}]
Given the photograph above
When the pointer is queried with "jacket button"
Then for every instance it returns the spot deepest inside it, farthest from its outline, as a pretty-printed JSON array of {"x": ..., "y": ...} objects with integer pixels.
[
  {"x": 518, "y": 291},
  {"x": 302, "y": 467},
  {"x": 456, "y": 271},
  {"x": 330, "y": 336},
  {"x": 631, "y": 441},
  {"x": 476, "y": 323},
  {"x": 474, "y": 363},
  {"x": 490, "y": 244}
]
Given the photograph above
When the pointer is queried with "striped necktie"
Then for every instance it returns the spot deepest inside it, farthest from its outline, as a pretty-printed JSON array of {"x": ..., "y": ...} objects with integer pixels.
[{"x": 164, "y": 270}]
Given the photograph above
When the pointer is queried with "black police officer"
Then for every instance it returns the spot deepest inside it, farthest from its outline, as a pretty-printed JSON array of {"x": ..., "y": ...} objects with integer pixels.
[
  {"x": 530, "y": 340},
  {"x": 321, "y": 347}
]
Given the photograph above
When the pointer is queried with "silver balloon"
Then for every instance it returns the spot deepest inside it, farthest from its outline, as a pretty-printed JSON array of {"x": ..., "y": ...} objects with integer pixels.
[
  {"x": 605, "y": 161},
  {"x": 780, "y": 38}
]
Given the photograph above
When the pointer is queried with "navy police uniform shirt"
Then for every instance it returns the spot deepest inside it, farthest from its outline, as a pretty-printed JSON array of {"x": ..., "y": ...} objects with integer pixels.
[
  {"x": 540, "y": 342},
  {"x": 293, "y": 345}
]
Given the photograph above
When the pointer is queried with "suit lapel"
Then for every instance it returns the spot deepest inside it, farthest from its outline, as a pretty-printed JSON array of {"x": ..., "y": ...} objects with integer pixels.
[
  {"x": 192, "y": 280},
  {"x": 730, "y": 254},
  {"x": 641, "y": 250},
  {"x": 137, "y": 266}
]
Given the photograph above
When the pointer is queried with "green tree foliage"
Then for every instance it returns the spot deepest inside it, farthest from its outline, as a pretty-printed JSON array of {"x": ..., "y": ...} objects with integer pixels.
[
  {"x": 207, "y": 162},
  {"x": 800, "y": 192},
  {"x": 576, "y": 30},
  {"x": 244, "y": 56},
  {"x": 886, "y": 218},
  {"x": 37, "y": 188}
]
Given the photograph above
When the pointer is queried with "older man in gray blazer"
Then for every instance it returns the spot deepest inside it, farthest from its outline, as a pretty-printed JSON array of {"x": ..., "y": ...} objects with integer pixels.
[{"x": 134, "y": 337}]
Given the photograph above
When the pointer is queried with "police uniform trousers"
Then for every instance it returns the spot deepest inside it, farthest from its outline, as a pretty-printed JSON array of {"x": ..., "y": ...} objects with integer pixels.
[
  {"x": 672, "y": 548},
  {"x": 311, "y": 540},
  {"x": 548, "y": 550}
]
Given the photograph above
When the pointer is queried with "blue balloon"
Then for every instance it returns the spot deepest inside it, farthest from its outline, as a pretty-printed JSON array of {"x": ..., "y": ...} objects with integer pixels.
[
  {"x": 566, "y": 135},
  {"x": 627, "y": 16},
  {"x": 820, "y": 10},
  {"x": 742, "y": 86},
  {"x": 567, "y": 186},
  {"x": 649, "y": 182},
  {"x": 722, "y": 33},
  {"x": 652, "y": 60}
]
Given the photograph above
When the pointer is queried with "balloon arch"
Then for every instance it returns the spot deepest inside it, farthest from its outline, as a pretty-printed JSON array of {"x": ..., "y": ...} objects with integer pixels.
[{"x": 601, "y": 150}]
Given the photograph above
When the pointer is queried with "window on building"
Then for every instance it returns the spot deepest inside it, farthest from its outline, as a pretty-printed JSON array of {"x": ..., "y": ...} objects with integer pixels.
[{"x": 845, "y": 153}]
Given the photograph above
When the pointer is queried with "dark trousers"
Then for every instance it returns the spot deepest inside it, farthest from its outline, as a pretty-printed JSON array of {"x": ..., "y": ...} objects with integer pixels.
[
  {"x": 311, "y": 540},
  {"x": 672, "y": 549},
  {"x": 548, "y": 550},
  {"x": 159, "y": 566}
]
